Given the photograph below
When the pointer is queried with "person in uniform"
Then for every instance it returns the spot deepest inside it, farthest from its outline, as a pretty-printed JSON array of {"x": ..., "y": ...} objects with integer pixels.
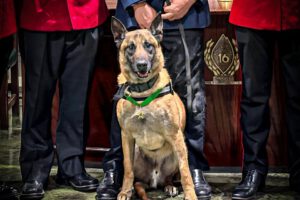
[
  {"x": 59, "y": 41},
  {"x": 260, "y": 26}
]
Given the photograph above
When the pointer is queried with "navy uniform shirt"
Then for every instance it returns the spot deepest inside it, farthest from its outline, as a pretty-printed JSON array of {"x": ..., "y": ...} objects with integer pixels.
[{"x": 197, "y": 17}]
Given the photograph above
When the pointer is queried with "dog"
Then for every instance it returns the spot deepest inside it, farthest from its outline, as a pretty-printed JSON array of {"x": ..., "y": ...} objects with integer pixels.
[{"x": 151, "y": 115}]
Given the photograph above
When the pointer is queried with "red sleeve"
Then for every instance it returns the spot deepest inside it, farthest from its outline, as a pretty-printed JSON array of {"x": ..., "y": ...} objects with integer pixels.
[{"x": 7, "y": 18}]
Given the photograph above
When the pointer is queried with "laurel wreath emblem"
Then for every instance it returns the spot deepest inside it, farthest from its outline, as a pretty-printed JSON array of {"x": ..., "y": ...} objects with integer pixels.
[{"x": 232, "y": 68}]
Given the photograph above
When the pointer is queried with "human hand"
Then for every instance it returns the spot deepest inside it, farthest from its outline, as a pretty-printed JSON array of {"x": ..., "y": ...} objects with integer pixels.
[
  {"x": 177, "y": 9},
  {"x": 144, "y": 14}
]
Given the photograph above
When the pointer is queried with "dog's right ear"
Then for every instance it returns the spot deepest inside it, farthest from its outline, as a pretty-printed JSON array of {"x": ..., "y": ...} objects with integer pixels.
[{"x": 118, "y": 30}]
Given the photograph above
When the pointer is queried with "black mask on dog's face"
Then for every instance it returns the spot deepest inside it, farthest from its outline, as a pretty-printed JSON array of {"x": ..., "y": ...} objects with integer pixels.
[
  {"x": 138, "y": 48},
  {"x": 139, "y": 54}
]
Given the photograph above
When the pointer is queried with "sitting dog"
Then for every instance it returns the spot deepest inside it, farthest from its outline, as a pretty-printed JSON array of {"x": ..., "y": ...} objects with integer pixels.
[{"x": 151, "y": 115}]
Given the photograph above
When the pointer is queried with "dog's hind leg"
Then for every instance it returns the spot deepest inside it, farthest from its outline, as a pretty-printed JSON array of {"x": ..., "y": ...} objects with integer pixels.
[{"x": 140, "y": 189}]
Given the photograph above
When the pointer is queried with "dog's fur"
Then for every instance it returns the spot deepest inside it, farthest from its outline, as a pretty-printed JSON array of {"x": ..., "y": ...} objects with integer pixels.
[{"x": 153, "y": 146}]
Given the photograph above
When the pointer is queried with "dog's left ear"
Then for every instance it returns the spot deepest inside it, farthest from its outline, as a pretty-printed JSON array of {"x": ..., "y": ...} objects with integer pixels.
[
  {"x": 156, "y": 28},
  {"x": 118, "y": 30}
]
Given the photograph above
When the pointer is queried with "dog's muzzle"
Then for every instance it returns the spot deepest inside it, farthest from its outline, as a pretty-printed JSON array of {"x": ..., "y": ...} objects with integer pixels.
[{"x": 142, "y": 68}]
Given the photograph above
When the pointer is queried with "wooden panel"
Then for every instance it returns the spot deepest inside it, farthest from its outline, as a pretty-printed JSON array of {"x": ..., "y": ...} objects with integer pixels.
[
  {"x": 9, "y": 92},
  {"x": 4, "y": 104},
  {"x": 223, "y": 145}
]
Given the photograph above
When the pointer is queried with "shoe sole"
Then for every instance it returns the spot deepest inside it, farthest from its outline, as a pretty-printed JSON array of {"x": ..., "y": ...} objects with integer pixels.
[
  {"x": 261, "y": 189},
  {"x": 242, "y": 198},
  {"x": 85, "y": 188},
  {"x": 104, "y": 198},
  {"x": 32, "y": 196},
  {"x": 204, "y": 197}
]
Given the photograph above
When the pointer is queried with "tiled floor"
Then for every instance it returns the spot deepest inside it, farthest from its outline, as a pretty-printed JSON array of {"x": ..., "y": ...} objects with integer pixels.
[{"x": 222, "y": 183}]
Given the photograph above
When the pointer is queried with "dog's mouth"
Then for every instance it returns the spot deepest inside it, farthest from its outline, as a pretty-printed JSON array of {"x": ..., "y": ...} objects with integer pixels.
[{"x": 143, "y": 74}]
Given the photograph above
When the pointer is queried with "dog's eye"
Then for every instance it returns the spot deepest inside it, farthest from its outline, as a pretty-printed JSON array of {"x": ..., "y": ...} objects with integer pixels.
[
  {"x": 131, "y": 47},
  {"x": 147, "y": 45}
]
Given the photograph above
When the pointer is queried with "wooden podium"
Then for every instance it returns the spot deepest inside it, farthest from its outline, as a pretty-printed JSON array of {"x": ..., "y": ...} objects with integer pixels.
[{"x": 223, "y": 146}]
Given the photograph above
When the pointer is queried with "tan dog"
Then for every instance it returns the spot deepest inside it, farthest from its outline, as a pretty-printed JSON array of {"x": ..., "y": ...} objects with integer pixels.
[{"x": 152, "y": 128}]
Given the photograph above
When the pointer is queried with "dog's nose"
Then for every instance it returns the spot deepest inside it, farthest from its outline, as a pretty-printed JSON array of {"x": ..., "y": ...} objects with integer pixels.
[{"x": 142, "y": 65}]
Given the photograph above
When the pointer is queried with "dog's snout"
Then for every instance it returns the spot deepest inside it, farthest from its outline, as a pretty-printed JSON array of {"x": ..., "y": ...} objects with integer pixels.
[{"x": 142, "y": 65}]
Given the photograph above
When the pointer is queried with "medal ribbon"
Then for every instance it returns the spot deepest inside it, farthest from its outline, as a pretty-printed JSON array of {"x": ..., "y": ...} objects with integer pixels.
[{"x": 146, "y": 101}]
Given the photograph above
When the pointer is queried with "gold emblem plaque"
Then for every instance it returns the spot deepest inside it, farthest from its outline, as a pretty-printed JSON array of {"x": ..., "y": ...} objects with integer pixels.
[{"x": 222, "y": 59}]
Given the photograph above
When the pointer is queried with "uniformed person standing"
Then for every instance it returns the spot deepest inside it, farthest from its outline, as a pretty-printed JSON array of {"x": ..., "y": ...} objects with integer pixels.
[
  {"x": 260, "y": 26},
  {"x": 59, "y": 44}
]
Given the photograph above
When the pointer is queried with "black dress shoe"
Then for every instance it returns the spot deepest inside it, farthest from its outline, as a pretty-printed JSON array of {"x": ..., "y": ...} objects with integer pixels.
[
  {"x": 32, "y": 190},
  {"x": 202, "y": 188},
  {"x": 110, "y": 186},
  {"x": 252, "y": 183},
  {"x": 82, "y": 182},
  {"x": 8, "y": 192}
]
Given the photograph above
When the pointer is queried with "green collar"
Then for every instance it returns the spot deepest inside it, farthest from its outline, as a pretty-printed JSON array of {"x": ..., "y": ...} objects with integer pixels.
[{"x": 148, "y": 100}]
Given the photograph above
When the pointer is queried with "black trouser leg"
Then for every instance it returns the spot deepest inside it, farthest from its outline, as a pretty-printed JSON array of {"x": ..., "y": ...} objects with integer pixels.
[
  {"x": 256, "y": 55},
  {"x": 42, "y": 59},
  {"x": 77, "y": 65},
  {"x": 289, "y": 49},
  {"x": 69, "y": 57},
  {"x": 113, "y": 159},
  {"x": 175, "y": 64}
]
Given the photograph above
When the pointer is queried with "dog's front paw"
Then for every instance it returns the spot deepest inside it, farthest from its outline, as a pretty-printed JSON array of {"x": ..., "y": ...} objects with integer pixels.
[
  {"x": 124, "y": 195},
  {"x": 171, "y": 190},
  {"x": 190, "y": 195}
]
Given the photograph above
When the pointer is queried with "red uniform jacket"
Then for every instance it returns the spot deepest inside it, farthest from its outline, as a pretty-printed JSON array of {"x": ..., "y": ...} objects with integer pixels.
[
  {"x": 62, "y": 15},
  {"x": 7, "y": 18},
  {"x": 266, "y": 14}
]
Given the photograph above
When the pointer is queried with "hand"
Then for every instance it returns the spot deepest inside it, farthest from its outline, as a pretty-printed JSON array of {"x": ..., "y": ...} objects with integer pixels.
[
  {"x": 177, "y": 9},
  {"x": 144, "y": 14}
]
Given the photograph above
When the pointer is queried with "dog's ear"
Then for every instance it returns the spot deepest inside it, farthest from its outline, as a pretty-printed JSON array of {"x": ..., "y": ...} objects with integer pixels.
[
  {"x": 156, "y": 28},
  {"x": 118, "y": 30}
]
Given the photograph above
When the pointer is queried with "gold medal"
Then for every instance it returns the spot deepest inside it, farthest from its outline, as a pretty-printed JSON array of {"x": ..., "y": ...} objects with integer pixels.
[{"x": 141, "y": 115}]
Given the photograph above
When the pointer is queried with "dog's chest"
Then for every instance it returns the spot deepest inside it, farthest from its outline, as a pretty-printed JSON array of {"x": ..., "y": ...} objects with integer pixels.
[{"x": 148, "y": 124}]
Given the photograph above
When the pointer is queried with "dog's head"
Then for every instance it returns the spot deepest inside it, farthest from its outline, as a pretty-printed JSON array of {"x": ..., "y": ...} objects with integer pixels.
[{"x": 140, "y": 54}]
